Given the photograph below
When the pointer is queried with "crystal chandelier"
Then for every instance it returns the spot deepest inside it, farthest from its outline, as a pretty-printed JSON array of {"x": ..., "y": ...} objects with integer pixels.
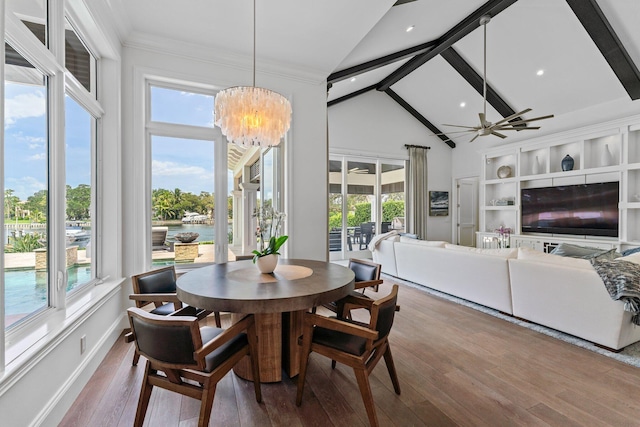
[{"x": 250, "y": 115}]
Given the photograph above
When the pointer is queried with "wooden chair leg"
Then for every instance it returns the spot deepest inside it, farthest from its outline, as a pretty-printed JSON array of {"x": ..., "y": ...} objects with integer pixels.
[
  {"x": 216, "y": 315},
  {"x": 145, "y": 396},
  {"x": 367, "y": 397},
  {"x": 304, "y": 362},
  {"x": 208, "y": 393},
  {"x": 136, "y": 357},
  {"x": 391, "y": 367},
  {"x": 252, "y": 337}
]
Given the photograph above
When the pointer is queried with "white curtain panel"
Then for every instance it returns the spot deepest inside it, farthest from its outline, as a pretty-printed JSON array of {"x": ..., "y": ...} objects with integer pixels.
[{"x": 418, "y": 196}]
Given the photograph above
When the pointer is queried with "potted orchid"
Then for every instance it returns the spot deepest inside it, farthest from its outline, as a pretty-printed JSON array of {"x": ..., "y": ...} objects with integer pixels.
[
  {"x": 504, "y": 234},
  {"x": 269, "y": 238}
]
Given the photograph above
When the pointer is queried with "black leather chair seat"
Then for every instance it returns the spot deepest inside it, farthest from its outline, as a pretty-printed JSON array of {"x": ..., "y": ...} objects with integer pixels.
[
  {"x": 339, "y": 340},
  {"x": 164, "y": 309},
  {"x": 216, "y": 357}
]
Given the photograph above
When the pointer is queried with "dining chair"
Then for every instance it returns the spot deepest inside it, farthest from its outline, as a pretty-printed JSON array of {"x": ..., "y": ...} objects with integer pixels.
[
  {"x": 188, "y": 359},
  {"x": 367, "y": 274},
  {"x": 158, "y": 287},
  {"x": 355, "y": 344},
  {"x": 366, "y": 234}
]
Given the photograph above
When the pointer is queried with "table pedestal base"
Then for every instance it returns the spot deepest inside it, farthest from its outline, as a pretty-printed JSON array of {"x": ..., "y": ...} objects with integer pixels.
[
  {"x": 269, "y": 330},
  {"x": 277, "y": 346}
]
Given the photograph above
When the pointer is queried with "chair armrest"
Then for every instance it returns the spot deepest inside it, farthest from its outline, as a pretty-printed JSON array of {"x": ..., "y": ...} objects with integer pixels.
[
  {"x": 311, "y": 320},
  {"x": 357, "y": 301},
  {"x": 245, "y": 324},
  {"x": 172, "y": 297},
  {"x": 367, "y": 283},
  {"x": 190, "y": 310}
]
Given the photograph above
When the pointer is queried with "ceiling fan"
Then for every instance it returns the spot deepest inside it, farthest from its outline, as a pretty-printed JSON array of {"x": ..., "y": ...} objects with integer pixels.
[{"x": 508, "y": 123}]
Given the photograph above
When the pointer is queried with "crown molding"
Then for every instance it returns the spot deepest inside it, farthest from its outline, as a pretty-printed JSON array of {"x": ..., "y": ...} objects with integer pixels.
[{"x": 226, "y": 58}]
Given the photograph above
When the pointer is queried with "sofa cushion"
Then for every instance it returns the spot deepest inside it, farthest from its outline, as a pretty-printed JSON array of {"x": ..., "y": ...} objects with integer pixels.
[
  {"x": 631, "y": 251},
  {"x": 533, "y": 255},
  {"x": 431, "y": 243},
  {"x": 505, "y": 253},
  {"x": 585, "y": 252},
  {"x": 634, "y": 257}
]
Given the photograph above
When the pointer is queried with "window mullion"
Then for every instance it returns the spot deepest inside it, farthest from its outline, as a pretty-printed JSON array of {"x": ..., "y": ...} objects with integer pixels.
[{"x": 57, "y": 180}]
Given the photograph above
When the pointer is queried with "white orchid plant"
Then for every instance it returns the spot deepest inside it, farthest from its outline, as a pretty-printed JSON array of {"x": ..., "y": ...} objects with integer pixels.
[{"x": 268, "y": 232}]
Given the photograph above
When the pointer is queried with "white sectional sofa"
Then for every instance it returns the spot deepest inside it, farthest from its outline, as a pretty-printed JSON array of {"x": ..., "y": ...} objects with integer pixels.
[{"x": 562, "y": 293}]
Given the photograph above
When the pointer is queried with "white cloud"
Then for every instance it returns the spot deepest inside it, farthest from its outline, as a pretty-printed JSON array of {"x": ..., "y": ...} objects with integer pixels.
[
  {"x": 24, "y": 106},
  {"x": 160, "y": 168},
  {"x": 39, "y": 156},
  {"x": 25, "y": 186}
]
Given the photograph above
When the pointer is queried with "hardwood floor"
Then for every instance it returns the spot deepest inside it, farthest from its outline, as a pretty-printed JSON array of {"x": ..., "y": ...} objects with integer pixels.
[{"x": 457, "y": 367}]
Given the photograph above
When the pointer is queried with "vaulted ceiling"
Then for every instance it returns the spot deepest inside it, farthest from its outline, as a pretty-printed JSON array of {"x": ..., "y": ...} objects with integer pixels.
[{"x": 589, "y": 50}]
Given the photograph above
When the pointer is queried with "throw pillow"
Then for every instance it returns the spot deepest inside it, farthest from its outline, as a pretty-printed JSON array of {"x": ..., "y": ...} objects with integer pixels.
[
  {"x": 584, "y": 252},
  {"x": 533, "y": 255},
  {"x": 631, "y": 251}
]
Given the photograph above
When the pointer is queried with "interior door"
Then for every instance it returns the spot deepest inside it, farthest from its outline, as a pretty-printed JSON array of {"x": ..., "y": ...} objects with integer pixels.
[{"x": 467, "y": 211}]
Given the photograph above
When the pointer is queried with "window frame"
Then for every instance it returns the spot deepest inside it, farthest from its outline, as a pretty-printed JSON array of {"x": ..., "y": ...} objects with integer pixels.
[
  {"x": 176, "y": 130},
  {"x": 20, "y": 338}
]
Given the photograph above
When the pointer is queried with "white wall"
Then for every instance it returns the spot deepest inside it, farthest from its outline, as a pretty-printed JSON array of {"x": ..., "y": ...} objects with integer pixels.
[
  {"x": 373, "y": 124},
  {"x": 305, "y": 150}
]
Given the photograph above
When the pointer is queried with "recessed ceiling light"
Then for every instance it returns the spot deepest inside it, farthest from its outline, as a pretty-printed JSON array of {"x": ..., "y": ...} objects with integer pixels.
[
  {"x": 463, "y": 104},
  {"x": 353, "y": 79},
  {"x": 540, "y": 72},
  {"x": 409, "y": 29}
]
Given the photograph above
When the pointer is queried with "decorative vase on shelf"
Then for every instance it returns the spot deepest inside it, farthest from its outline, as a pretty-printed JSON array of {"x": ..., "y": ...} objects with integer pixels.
[
  {"x": 535, "y": 169},
  {"x": 504, "y": 172},
  {"x": 266, "y": 264},
  {"x": 607, "y": 158},
  {"x": 567, "y": 163}
]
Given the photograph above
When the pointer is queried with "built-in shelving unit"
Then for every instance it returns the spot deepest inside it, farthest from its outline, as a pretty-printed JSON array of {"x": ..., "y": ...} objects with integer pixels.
[{"x": 603, "y": 153}]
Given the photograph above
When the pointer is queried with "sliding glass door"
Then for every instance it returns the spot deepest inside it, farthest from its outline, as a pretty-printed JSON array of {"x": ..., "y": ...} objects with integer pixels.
[{"x": 366, "y": 198}]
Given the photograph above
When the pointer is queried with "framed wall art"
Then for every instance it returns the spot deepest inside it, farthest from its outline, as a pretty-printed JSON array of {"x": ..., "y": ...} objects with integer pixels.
[{"x": 438, "y": 203}]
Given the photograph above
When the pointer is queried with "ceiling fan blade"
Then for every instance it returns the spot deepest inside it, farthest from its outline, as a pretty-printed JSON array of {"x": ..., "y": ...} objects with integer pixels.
[
  {"x": 483, "y": 119},
  {"x": 525, "y": 121},
  {"x": 493, "y": 132},
  {"x": 513, "y": 116},
  {"x": 460, "y": 126},
  {"x": 474, "y": 138}
]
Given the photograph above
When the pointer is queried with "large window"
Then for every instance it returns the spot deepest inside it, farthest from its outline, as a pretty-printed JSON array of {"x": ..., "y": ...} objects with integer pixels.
[
  {"x": 79, "y": 172},
  {"x": 26, "y": 185},
  {"x": 49, "y": 169},
  {"x": 184, "y": 171},
  {"x": 366, "y": 197}
]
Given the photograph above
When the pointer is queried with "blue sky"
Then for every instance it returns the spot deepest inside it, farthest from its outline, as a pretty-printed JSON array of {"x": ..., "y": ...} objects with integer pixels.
[{"x": 176, "y": 163}]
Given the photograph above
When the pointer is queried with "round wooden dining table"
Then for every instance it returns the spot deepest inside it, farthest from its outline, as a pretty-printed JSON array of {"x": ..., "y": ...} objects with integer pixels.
[{"x": 278, "y": 301}]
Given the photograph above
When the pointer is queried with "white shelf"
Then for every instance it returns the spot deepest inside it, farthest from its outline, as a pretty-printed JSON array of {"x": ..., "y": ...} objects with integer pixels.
[{"x": 609, "y": 153}]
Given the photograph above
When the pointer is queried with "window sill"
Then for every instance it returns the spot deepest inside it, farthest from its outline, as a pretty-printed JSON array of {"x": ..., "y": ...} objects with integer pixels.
[{"x": 39, "y": 335}]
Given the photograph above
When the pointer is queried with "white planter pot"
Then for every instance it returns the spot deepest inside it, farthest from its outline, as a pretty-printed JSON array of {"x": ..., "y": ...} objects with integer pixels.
[{"x": 266, "y": 264}]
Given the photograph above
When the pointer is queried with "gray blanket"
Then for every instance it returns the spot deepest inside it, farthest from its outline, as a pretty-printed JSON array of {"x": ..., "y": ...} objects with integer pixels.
[{"x": 622, "y": 280}]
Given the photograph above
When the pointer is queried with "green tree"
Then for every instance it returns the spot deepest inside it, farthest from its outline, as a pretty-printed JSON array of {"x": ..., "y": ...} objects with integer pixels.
[
  {"x": 37, "y": 205},
  {"x": 392, "y": 209},
  {"x": 10, "y": 203},
  {"x": 79, "y": 202},
  {"x": 362, "y": 213}
]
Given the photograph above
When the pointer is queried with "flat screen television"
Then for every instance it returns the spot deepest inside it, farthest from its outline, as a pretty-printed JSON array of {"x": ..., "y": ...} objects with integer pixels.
[{"x": 585, "y": 209}]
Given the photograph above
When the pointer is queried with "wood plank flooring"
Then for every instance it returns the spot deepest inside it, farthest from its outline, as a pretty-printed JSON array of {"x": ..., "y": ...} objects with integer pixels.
[{"x": 457, "y": 367}]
